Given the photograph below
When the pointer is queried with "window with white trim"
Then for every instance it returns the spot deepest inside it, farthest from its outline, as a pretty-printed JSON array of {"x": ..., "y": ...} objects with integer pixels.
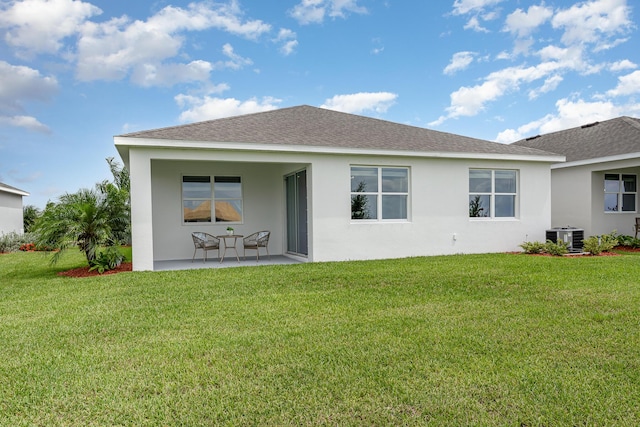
[
  {"x": 620, "y": 192},
  {"x": 493, "y": 193},
  {"x": 379, "y": 193},
  {"x": 203, "y": 202}
]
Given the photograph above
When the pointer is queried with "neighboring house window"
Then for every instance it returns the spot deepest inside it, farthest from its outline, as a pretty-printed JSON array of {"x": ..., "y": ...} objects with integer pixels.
[
  {"x": 619, "y": 192},
  {"x": 199, "y": 197},
  {"x": 492, "y": 193},
  {"x": 379, "y": 193}
]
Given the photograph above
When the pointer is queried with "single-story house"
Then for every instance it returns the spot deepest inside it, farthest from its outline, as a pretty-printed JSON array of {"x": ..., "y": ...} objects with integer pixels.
[
  {"x": 596, "y": 189},
  {"x": 11, "y": 213},
  {"x": 332, "y": 186}
]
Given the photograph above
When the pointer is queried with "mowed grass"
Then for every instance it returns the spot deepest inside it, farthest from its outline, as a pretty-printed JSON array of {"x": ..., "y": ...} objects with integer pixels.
[{"x": 487, "y": 340}]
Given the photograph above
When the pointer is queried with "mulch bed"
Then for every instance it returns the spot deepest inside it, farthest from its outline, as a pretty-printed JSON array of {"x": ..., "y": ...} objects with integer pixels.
[
  {"x": 84, "y": 271},
  {"x": 617, "y": 248}
]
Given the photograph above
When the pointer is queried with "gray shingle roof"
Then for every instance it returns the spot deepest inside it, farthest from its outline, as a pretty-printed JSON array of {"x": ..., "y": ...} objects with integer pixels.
[
  {"x": 613, "y": 137},
  {"x": 311, "y": 126}
]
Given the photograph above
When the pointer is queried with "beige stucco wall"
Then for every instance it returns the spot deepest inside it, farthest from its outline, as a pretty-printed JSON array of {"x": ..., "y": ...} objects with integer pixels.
[{"x": 438, "y": 222}]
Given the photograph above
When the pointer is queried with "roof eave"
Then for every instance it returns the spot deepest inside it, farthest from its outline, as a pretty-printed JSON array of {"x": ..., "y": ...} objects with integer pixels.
[
  {"x": 596, "y": 160},
  {"x": 15, "y": 191},
  {"x": 124, "y": 143}
]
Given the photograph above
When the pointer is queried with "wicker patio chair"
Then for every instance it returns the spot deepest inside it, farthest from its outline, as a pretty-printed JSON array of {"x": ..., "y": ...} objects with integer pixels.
[
  {"x": 257, "y": 240},
  {"x": 206, "y": 242},
  {"x": 636, "y": 227}
]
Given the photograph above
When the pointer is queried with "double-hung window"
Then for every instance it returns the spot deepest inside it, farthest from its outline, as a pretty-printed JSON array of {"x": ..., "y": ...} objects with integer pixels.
[
  {"x": 204, "y": 202},
  {"x": 492, "y": 193},
  {"x": 379, "y": 193},
  {"x": 620, "y": 192}
]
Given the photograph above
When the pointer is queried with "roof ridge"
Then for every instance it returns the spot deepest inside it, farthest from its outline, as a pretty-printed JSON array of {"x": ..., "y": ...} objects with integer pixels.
[{"x": 633, "y": 121}]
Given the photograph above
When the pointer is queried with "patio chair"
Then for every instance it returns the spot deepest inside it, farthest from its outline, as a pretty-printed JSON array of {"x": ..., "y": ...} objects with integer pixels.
[
  {"x": 257, "y": 240},
  {"x": 206, "y": 242},
  {"x": 636, "y": 227}
]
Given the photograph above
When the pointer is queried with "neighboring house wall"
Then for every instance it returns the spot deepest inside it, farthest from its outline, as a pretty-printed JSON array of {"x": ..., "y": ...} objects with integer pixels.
[
  {"x": 11, "y": 215},
  {"x": 578, "y": 185},
  {"x": 438, "y": 204},
  {"x": 578, "y": 198},
  {"x": 570, "y": 202}
]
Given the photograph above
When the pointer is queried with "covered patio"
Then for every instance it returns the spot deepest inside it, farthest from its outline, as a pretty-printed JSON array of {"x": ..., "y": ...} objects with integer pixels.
[{"x": 229, "y": 261}]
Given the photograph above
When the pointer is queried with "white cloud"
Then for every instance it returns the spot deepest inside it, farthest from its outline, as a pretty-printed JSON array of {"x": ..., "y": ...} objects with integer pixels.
[
  {"x": 114, "y": 49},
  {"x": 289, "y": 47},
  {"x": 26, "y": 122},
  {"x": 209, "y": 108},
  {"x": 147, "y": 75},
  {"x": 522, "y": 24},
  {"x": 569, "y": 114},
  {"x": 474, "y": 24},
  {"x": 289, "y": 41},
  {"x": 235, "y": 61},
  {"x": 593, "y": 21},
  {"x": 627, "y": 85},
  {"x": 19, "y": 85},
  {"x": 589, "y": 23},
  {"x": 625, "y": 64},
  {"x": 459, "y": 61},
  {"x": 549, "y": 85},
  {"x": 39, "y": 26},
  {"x": 360, "y": 102},
  {"x": 462, "y": 7},
  {"x": 315, "y": 11},
  {"x": 469, "y": 101}
]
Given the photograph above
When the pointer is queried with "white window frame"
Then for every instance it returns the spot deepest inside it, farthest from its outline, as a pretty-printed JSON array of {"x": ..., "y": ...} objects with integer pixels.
[
  {"x": 212, "y": 199},
  {"x": 620, "y": 193},
  {"x": 379, "y": 194},
  {"x": 493, "y": 193}
]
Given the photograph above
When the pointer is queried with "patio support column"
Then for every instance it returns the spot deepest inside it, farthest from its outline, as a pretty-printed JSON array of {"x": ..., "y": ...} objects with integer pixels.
[{"x": 141, "y": 212}]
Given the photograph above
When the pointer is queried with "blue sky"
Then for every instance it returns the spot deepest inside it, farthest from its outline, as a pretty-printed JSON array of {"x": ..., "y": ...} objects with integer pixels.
[{"x": 76, "y": 73}]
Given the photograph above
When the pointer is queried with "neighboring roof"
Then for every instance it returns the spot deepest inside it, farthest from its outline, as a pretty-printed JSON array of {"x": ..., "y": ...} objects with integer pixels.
[
  {"x": 9, "y": 189},
  {"x": 615, "y": 137},
  {"x": 318, "y": 127}
]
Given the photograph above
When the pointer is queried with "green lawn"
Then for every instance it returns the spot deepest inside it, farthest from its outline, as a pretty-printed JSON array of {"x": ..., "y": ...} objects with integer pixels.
[{"x": 488, "y": 340}]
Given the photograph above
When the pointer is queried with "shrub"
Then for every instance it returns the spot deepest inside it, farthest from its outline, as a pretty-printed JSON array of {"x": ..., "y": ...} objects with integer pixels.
[
  {"x": 533, "y": 247},
  {"x": 13, "y": 242},
  {"x": 557, "y": 249},
  {"x": 628, "y": 241},
  {"x": 595, "y": 245},
  {"x": 106, "y": 260},
  {"x": 28, "y": 247}
]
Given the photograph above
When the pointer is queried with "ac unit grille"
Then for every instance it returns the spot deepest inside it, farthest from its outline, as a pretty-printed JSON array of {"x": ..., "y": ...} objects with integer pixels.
[{"x": 572, "y": 236}]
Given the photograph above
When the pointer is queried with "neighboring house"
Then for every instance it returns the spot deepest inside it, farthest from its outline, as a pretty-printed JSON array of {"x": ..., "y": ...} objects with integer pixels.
[
  {"x": 596, "y": 189},
  {"x": 11, "y": 213},
  {"x": 332, "y": 186}
]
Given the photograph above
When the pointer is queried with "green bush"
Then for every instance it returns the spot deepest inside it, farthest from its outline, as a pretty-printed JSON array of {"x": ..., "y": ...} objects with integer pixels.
[
  {"x": 628, "y": 241},
  {"x": 557, "y": 249},
  {"x": 533, "y": 247},
  {"x": 106, "y": 260},
  {"x": 11, "y": 242},
  {"x": 595, "y": 245}
]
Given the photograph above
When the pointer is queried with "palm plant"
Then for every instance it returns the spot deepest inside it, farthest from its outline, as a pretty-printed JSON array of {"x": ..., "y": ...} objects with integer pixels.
[
  {"x": 82, "y": 219},
  {"x": 30, "y": 214}
]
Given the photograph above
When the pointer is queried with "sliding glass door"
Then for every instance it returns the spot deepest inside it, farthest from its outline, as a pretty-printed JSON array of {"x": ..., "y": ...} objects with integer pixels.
[{"x": 297, "y": 230}]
